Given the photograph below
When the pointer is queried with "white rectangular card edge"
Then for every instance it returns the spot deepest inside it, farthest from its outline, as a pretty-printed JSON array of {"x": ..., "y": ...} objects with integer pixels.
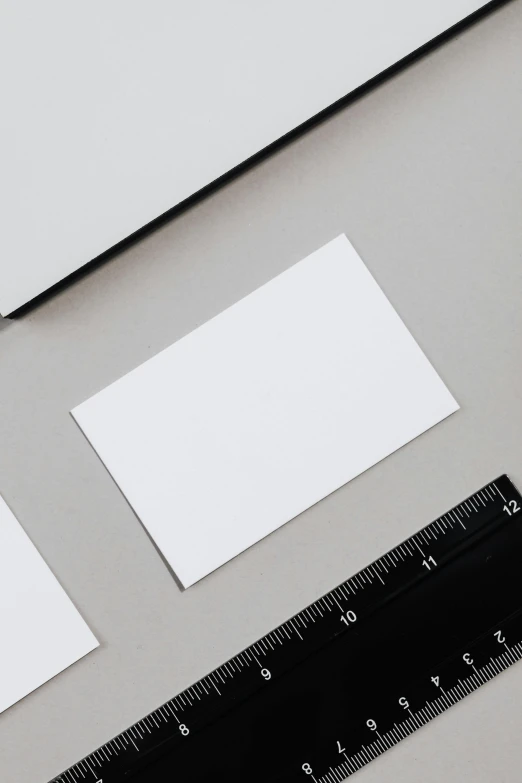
[
  {"x": 450, "y": 406},
  {"x": 89, "y": 642}
]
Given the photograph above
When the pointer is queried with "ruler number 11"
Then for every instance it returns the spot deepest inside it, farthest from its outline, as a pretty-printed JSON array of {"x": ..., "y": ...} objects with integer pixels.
[
  {"x": 511, "y": 507},
  {"x": 429, "y": 562}
]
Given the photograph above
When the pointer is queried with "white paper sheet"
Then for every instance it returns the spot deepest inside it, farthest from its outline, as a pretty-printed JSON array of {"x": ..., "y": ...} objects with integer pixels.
[
  {"x": 264, "y": 410},
  {"x": 41, "y": 632},
  {"x": 114, "y": 112}
]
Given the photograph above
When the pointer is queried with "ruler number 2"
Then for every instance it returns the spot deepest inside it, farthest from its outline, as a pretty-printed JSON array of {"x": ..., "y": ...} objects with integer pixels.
[{"x": 511, "y": 507}]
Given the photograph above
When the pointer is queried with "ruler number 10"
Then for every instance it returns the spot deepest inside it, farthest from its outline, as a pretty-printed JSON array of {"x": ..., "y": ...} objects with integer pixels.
[
  {"x": 511, "y": 507},
  {"x": 349, "y": 618}
]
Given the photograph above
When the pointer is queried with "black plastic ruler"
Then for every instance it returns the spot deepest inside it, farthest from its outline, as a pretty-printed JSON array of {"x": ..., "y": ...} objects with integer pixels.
[{"x": 352, "y": 674}]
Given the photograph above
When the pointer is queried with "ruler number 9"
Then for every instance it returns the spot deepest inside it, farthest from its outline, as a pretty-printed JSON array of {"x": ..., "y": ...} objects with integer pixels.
[
  {"x": 349, "y": 618},
  {"x": 371, "y": 725},
  {"x": 266, "y": 674},
  {"x": 511, "y": 507}
]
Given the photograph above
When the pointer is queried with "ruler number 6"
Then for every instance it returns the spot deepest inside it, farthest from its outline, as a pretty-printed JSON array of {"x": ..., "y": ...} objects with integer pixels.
[{"x": 511, "y": 507}]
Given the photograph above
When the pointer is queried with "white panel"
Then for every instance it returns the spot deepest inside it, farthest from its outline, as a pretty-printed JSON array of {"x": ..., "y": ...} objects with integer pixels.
[
  {"x": 41, "y": 632},
  {"x": 114, "y": 111},
  {"x": 264, "y": 410}
]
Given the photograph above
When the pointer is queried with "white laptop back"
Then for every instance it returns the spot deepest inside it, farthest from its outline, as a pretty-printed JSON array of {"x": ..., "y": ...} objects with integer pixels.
[{"x": 114, "y": 111}]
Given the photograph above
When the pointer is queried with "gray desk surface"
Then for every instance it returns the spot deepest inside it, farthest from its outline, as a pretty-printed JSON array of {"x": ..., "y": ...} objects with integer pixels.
[{"x": 424, "y": 174}]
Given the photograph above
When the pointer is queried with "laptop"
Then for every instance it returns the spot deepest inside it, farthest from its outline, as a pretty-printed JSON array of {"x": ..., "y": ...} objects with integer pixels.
[{"x": 116, "y": 112}]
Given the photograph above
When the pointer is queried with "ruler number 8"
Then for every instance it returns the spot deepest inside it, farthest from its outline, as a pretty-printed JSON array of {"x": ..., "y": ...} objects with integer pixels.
[
  {"x": 307, "y": 769},
  {"x": 183, "y": 729},
  {"x": 511, "y": 507}
]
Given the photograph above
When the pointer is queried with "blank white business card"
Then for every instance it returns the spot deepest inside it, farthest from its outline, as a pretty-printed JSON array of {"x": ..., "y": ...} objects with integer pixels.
[
  {"x": 264, "y": 410},
  {"x": 41, "y": 632}
]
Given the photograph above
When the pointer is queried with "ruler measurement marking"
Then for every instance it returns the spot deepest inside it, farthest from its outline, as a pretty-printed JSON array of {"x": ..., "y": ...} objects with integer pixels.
[
  {"x": 457, "y": 520},
  {"x": 382, "y": 563},
  {"x": 276, "y": 639},
  {"x": 317, "y": 609},
  {"x": 379, "y": 576},
  {"x": 426, "y": 540},
  {"x": 296, "y": 629}
]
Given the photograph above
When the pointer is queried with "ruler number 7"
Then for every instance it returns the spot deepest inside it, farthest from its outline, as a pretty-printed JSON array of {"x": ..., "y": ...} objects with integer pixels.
[{"x": 511, "y": 507}]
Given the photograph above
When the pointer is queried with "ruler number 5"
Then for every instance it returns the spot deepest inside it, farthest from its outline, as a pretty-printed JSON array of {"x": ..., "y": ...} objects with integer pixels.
[{"x": 511, "y": 507}]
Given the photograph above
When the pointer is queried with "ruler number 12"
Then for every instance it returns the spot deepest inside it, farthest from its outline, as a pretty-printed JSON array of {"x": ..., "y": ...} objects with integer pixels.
[{"x": 511, "y": 507}]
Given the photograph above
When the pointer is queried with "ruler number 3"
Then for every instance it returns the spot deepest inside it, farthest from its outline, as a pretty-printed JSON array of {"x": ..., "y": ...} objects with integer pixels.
[{"x": 511, "y": 507}]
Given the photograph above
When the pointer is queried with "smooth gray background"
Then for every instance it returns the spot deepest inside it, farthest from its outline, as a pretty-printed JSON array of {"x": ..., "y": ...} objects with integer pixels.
[{"x": 424, "y": 174}]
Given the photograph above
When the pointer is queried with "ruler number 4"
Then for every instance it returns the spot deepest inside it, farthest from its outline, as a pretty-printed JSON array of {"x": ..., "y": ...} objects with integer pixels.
[{"x": 511, "y": 507}]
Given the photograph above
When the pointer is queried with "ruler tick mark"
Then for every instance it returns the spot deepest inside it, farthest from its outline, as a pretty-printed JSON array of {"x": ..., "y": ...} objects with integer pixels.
[{"x": 499, "y": 492}]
